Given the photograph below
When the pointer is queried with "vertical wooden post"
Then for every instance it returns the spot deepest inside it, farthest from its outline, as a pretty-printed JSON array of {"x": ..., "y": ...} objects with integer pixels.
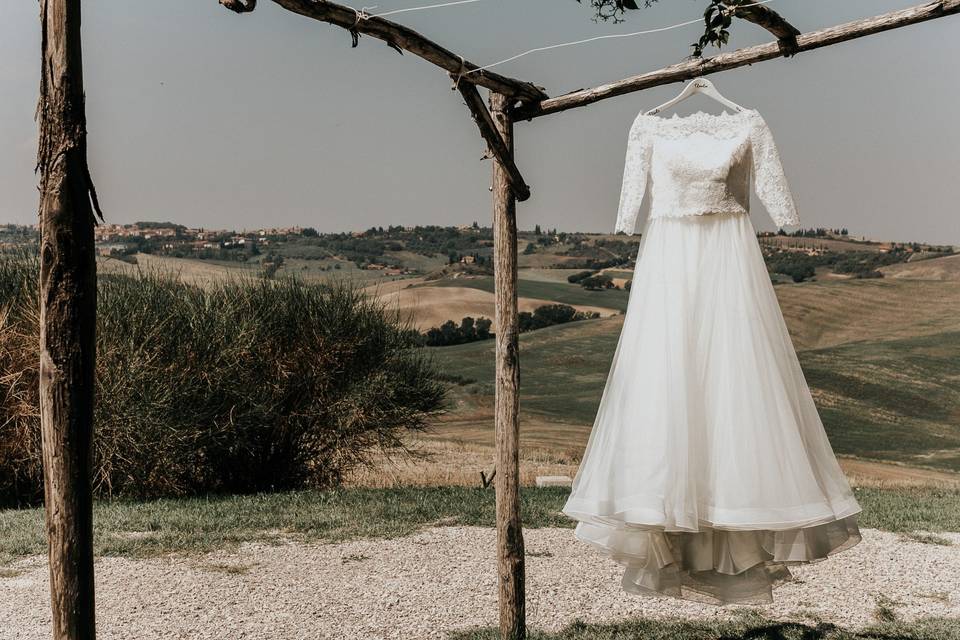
[
  {"x": 68, "y": 298},
  {"x": 507, "y": 399}
]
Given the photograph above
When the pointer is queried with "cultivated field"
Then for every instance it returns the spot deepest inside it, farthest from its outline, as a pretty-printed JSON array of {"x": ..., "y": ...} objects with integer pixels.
[
  {"x": 205, "y": 272},
  {"x": 430, "y": 305}
]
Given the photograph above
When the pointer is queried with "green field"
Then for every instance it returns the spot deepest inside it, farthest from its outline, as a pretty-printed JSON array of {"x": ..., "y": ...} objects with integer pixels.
[
  {"x": 563, "y": 369},
  {"x": 556, "y": 274},
  {"x": 894, "y": 400},
  {"x": 557, "y": 291},
  {"x": 891, "y": 400}
]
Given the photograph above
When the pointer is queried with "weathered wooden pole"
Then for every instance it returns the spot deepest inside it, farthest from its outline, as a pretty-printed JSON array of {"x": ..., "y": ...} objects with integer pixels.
[
  {"x": 507, "y": 399},
  {"x": 68, "y": 298}
]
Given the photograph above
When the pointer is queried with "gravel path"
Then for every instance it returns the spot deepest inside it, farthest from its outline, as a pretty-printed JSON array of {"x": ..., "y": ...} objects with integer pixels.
[{"x": 443, "y": 579}]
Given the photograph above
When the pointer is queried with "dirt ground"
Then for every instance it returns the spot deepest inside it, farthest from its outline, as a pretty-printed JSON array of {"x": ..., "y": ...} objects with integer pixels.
[{"x": 422, "y": 586}]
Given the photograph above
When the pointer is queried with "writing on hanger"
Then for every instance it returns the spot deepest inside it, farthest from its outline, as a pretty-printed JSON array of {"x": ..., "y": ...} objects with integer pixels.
[{"x": 698, "y": 85}]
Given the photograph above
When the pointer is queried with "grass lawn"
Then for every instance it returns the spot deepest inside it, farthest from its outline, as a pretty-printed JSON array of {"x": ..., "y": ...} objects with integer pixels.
[
  {"x": 747, "y": 626},
  {"x": 196, "y": 525}
]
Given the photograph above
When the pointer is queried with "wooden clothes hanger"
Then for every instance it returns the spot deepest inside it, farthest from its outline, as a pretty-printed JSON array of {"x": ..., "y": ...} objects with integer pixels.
[{"x": 697, "y": 85}]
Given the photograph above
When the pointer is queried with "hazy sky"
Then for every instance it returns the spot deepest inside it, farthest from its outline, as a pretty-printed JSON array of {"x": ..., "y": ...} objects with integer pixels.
[{"x": 203, "y": 117}]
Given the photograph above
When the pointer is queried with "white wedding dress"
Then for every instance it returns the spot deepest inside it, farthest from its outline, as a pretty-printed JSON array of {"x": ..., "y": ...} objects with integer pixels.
[{"x": 708, "y": 471}]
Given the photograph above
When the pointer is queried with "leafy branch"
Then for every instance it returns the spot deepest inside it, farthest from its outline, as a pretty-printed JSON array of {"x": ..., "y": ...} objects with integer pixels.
[
  {"x": 613, "y": 10},
  {"x": 717, "y": 19}
]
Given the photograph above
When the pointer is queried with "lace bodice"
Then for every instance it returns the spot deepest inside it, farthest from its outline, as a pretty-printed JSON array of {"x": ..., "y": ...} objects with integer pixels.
[{"x": 702, "y": 164}]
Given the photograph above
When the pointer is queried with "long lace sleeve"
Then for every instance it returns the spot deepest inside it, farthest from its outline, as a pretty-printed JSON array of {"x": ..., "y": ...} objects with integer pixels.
[
  {"x": 769, "y": 180},
  {"x": 635, "y": 171}
]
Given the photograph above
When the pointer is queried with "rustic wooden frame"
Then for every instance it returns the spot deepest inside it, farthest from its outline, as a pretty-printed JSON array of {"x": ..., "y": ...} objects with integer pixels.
[
  {"x": 742, "y": 57},
  {"x": 68, "y": 283}
]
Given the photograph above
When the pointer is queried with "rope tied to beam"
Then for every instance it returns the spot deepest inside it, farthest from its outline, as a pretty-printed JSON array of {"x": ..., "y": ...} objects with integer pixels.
[
  {"x": 460, "y": 73},
  {"x": 363, "y": 13},
  {"x": 609, "y": 36}
]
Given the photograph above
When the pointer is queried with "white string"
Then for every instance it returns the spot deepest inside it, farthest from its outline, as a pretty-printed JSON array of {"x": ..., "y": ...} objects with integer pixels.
[
  {"x": 460, "y": 73},
  {"x": 429, "y": 6},
  {"x": 362, "y": 14},
  {"x": 604, "y": 37}
]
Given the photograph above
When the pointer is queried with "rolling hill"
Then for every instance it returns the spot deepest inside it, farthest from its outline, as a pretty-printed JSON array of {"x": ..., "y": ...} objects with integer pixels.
[{"x": 882, "y": 358}]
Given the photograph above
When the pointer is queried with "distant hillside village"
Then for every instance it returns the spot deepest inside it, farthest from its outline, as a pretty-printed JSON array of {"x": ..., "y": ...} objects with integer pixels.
[
  {"x": 464, "y": 250},
  {"x": 367, "y": 249}
]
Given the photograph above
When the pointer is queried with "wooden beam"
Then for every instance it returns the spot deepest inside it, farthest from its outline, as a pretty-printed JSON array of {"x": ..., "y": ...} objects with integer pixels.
[
  {"x": 402, "y": 39},
  {"x": 68, "y": 308},
  {"x": 767, "y": 18},
  {"x": 741, "y": 57},
  {"x": 507, "y": 396},
  {"x": 496, "y": 144}
]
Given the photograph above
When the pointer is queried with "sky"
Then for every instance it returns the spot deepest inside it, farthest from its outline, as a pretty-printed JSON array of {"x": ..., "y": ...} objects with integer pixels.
[{"x": 206, "y": 118}]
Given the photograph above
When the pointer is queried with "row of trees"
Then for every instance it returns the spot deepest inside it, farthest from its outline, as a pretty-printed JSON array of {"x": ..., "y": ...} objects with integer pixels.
[
  {"x": 859, "y": 264},
  {"x": 819, "y": 232},
  {"x": 472, "y": 330}
]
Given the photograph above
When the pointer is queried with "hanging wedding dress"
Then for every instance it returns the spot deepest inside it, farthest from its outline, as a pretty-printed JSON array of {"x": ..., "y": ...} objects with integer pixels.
[{"x": 708, "y": 470}]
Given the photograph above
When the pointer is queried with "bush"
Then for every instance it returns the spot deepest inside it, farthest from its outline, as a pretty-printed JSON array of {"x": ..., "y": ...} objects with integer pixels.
[
  {"x": 574, "y": 278},
  {"x": 552, "y": 314},
  {"x": 597, "y": 282},
  {"x": 247, "y": 385},
  {"x": 449, "y": 333}
]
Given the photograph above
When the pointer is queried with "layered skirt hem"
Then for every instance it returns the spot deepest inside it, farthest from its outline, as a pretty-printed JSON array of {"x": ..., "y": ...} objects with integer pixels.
[
  {"x": 650, "y": 512},
  {"x": 716, "y": 566}
]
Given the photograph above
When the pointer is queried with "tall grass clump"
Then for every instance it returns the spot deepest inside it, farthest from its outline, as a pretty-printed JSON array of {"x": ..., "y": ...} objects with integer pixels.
[{"x": 245, "y": 385}]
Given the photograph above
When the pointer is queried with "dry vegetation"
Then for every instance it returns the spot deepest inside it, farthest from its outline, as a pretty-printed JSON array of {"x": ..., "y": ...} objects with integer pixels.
[
  {"x": 445, "y": 461},
  {"x": 236, "y": 386}
]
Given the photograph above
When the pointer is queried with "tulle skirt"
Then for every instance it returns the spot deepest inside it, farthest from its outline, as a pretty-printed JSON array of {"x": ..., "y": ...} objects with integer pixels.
[{"x": 708, "y": 470}]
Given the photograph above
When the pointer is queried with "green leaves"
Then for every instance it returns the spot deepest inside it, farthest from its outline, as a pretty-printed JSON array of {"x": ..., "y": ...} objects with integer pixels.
[
  {"x": 717, "y": 19},
  {"x": 612, "y": 10}
]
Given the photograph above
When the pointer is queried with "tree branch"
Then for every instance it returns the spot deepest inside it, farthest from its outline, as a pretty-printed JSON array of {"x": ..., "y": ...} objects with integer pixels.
[
  {"x": 402, "y": 39},
  {"x": 240, "y": 6},
  {"x": 742, "y": 57},
  {"x": 767, "y": 18}
]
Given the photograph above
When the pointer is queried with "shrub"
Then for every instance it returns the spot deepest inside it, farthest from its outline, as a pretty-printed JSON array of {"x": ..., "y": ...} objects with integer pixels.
[
  {"x": 574, "y": 278},
  {"x": 449, "y": 333},
  {"x": 246, "y": 385},
  {"x": 471, "y": 330},
  {"x": 597, "y": 282},
  {"x": 552, "y": 314}
]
